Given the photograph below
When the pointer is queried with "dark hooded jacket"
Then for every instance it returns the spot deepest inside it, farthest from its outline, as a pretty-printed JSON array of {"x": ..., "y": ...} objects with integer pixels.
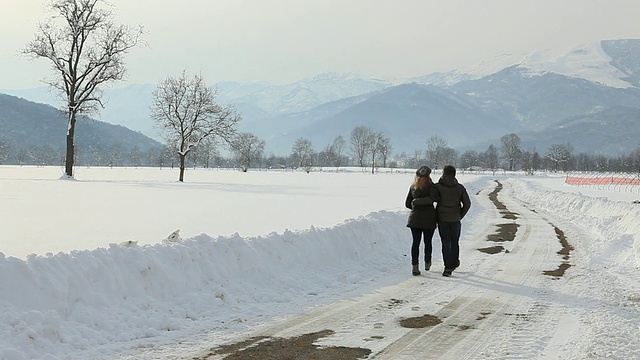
[
  {"x": 422, "y": 215},
  {"x": 452, "y": 198}
]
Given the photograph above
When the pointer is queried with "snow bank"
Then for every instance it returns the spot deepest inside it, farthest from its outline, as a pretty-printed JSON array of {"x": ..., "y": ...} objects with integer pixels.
[
  {"x": 615, "y": 222},
  {"x": 68, "y": 304}
]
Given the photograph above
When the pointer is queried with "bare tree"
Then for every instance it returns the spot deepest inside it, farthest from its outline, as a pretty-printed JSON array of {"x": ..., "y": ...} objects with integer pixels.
[
  {"x": 115, "y": 155},
  {"x": 536, "y": 160},
  {"x": 163, "y": 157},
  {"x": 208, "y": 150},
  {"x": 4, "y": 149},
  {"x": 331, "y": 155},
  {"x": 325, "y": 156},
  {"x": 86, "y": 51},
  {"x": 436, "y": 147},
  {"x": 361, "y": 143},
  {"x": 412, "y": 160},
  {"x": 302, "y": 154},
  {"x": 247, "y": 148},
  {"x": 379, "y": 149},
  {"x": 490, "y": 158},
  {"x": 43, "y": 155},
  {"x": 373, "y": 141},
  {"x": 135, "y": 156},
  {"x": 384, "y": 149},
  {"x": 186, "y": 112},
  {"x": 635, "y": 161},
  {"x": 337, "y": 151},
  {"x": 511, "y": 150},
  {"x": 527, "y": 161},
  {"x": 559, "y": 154},
  {"x": 449, "y": 156},
  {"x": 469, "y": 159}
]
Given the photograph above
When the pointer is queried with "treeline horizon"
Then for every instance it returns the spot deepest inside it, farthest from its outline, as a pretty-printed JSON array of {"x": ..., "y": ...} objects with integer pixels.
[{"x": 358, "y": 152}]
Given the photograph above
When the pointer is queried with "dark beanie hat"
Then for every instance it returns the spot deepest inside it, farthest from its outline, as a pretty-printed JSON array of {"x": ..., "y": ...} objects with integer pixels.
[
  {"x": 449, "y": 170},
  {"x": 423, "y": 171}
]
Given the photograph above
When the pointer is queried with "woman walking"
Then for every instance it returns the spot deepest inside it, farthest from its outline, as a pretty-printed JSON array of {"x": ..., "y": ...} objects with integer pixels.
[{"x": 422, "y": 218}]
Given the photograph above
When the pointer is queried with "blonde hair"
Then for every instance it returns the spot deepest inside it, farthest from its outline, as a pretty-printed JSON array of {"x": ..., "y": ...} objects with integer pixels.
[{"x": 421, "y": 182}]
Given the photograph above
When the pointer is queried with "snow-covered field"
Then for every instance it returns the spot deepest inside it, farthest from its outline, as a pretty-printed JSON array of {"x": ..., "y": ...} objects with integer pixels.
[{"x": 259, "y": 247}]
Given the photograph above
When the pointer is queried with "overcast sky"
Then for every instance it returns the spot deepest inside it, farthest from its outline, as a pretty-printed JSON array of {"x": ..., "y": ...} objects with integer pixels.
[{"x": 282, "y": 41}]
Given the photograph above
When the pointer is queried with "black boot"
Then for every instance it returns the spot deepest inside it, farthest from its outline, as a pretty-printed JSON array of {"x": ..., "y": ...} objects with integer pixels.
[{"x": 415, "y": 270}]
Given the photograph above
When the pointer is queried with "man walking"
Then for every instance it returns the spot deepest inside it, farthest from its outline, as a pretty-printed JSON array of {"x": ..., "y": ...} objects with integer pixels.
[{"x": 453, "y": 204}]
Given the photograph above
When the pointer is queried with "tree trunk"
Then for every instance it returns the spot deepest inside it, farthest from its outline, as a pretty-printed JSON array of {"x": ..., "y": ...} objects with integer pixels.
[
  {"x": 181, "y": 179},
  {"x": 70, "y": 147},
  {"x": 373, "y": 163}
]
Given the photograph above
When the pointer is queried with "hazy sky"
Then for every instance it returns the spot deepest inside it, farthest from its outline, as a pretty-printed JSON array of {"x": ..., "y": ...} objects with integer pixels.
[{"x": 282, "y": 41}]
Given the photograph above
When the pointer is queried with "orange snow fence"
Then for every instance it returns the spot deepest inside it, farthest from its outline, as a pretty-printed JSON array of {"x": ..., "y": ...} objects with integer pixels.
[{"x": 609, "y": 180}]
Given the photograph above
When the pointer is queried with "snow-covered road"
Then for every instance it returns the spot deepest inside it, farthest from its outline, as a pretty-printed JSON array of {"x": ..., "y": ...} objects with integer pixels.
[{"x": 510, "y": 299}]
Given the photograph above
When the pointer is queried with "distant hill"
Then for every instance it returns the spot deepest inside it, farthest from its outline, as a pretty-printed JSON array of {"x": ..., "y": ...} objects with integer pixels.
[
  {"x": 540, "y": 101},
  {"x": 625, "y": 56},
  {"x": 299, "y": 96},
  {"x": 408, "y": 114},
  {"x": 610, "y": 131},
  {"x": 28, "y": 125}
]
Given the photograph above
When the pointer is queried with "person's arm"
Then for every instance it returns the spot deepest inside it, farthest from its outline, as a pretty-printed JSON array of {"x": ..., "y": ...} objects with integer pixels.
[
  {"x": 466, "y": 202},
  {"x": 422, "y": 201},
  {"x": 409, "y": 200}
]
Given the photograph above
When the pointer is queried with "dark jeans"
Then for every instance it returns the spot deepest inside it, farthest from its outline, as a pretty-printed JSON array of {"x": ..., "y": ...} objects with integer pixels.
[
  {"x": 417, "y": 235},
  {"x": 450, "y": 236}
]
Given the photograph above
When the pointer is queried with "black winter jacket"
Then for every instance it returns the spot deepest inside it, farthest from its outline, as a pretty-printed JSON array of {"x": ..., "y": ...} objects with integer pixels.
[
  {"x": 422, "y": 215},
  {"x": 452, "y": 198}
]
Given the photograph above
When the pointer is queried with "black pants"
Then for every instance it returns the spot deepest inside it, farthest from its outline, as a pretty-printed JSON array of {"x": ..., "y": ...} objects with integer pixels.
[
  {"x": 450, "y": 236},
  {"x": 417, "y": 235}
]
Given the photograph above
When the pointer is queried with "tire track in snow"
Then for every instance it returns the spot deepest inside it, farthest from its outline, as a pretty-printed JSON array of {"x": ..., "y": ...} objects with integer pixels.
[
  {"x": 475, "y": 319},
  {"x": 532, "y": 328}
]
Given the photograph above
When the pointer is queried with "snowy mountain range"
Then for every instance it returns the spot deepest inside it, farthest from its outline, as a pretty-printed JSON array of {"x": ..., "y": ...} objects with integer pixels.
[
  {"x": 614, "y": 63},
  {"x": 529, "y": 94}
]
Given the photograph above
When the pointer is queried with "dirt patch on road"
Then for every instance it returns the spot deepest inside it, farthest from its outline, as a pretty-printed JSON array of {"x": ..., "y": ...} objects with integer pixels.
[
  {"x": 483, "y": 315},
  {"x": 420, "y": 322},
  {"x": 566, "y": 248},
  {"x": 228, "y": 349},
  {"x": 492, "y": 250},
  {"x": 565, "y": 252},
  {"x": 506, "y": 231},
  {"x": 300, "y": 347},
  {"x": 559, "y": 272},
  {"x": 493, "y": 196},
  {"x": 464, "y": 327}
]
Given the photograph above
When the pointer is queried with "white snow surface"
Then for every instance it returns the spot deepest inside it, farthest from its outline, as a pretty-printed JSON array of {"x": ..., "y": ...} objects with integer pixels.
[{"x": 85, "y": 274}]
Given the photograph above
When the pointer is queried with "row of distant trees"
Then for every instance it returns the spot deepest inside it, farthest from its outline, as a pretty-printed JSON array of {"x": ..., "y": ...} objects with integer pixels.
[
  {"x": 364, "y": 148},
  {"x": 558, "y": 157}
]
